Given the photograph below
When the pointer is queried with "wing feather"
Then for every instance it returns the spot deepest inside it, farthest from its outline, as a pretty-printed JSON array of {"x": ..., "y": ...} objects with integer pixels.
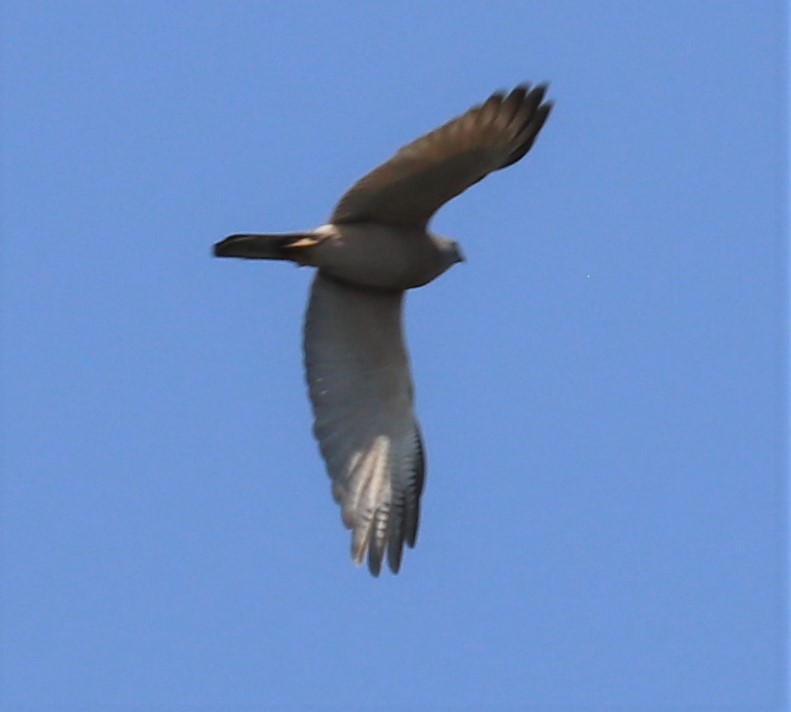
[
  {"x": 361, "y": 393},
  {"x": 425, "y": 174}
]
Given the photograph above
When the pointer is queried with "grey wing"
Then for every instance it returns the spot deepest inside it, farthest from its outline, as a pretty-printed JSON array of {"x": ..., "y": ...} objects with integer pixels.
[
  {"x": 361, "y": 394},
  {"x": 425, "y": 174}
]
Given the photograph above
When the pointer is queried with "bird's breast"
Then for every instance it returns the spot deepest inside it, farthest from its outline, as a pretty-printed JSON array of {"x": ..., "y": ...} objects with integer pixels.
[{"x": 380, "y": 256}]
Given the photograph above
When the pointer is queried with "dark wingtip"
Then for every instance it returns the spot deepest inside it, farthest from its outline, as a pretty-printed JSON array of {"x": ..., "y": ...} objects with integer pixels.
[
  {"x": 374, "y": 564},
  {"x": 542, "y": 113}
]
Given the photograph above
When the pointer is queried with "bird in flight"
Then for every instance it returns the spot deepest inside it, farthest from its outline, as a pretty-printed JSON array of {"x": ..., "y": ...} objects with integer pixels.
[{"x": 375, "y": 246}]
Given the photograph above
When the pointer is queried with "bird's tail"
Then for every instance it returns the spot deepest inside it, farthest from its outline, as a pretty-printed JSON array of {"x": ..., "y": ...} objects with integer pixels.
[{"x": 263, "y": 247}]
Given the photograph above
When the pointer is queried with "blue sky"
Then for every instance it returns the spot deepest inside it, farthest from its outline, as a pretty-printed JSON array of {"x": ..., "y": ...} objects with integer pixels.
[{"x": 602, "y": 385}]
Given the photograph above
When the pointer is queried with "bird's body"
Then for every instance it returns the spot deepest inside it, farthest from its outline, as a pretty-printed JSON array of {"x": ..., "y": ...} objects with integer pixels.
[
  {"x": 376, "y": 246},
  {"x": 364, "y": 254}
]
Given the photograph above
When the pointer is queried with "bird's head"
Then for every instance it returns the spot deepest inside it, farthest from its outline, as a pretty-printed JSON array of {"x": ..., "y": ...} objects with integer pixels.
[{"x": 450, "y": 251}]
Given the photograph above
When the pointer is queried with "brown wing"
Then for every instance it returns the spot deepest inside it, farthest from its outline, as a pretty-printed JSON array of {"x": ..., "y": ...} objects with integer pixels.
[{"x": 425, "y": 174}]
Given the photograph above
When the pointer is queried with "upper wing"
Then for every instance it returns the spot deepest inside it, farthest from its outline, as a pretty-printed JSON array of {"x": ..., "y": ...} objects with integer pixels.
[
  {"x": 425, "y": 174},
  {"x": 361, "y": 392}
]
